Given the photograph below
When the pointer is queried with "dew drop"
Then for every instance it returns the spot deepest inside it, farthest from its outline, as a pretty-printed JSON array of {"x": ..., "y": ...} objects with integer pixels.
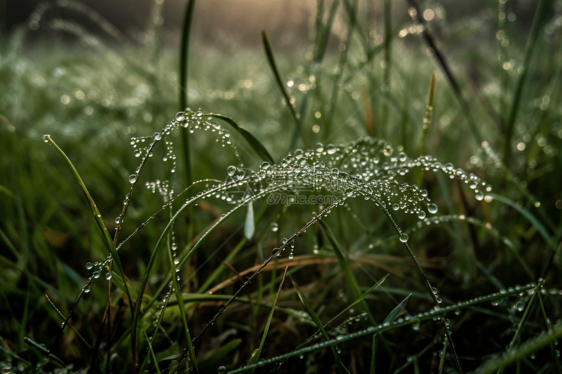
[
  {"x": 274, "y": 227},
  {"x": 403, "y": 237},
  {"x": 479, "y": 195},
  {"x": 89, "y": 265},
  {"x": 108, "y": 276},
  {"x": 421, "y": 214},
  {"x": 432, "y": 208},
  {"x": 132, "y": 178},
  {"x": 231, "y": 170}
]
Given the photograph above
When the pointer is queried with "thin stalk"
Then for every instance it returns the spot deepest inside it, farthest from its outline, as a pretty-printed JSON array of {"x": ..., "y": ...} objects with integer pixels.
[{"x": 541, "y": 15}]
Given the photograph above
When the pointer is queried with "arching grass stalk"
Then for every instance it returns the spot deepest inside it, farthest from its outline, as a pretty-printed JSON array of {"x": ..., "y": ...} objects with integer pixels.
[
  {"x": 416, "y": 319},
  {"x": 105, "y": 233}
]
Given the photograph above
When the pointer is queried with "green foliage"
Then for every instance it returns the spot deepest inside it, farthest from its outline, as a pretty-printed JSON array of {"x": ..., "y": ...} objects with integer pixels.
[{"x": 208, "y": 210}]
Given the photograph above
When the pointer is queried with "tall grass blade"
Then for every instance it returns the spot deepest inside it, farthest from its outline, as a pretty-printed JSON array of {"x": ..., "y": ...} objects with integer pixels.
[
  {"x": 179, "y": 297},
  {"x": 154, "y": 360},
  {"x": 280, "y": 84},
  {"x": 541, "y": 14},
  {"x": 347, "y": 272},
  {"x": 97, "y": 217},
  {"x": 256, "y": 354},
  {"x": 553, "y": 344},
  {"x": 428, "y": 113},
  {"x": 260, "y": 150},
  {"x": 316, "y": 320},
  {"x": 447, "y": 71},
  {"x": 530, "y": 217},
  {"x": 183, "y": 74},
  {"x": 443, "y": 355}
]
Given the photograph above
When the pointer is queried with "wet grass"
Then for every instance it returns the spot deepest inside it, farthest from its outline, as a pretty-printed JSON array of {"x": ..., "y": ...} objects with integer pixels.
[{"x": 435, "y": 250}]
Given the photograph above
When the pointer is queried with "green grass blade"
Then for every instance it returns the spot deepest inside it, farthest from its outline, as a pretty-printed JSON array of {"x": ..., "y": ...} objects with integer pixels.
[
  {"x": 521, "y": 324},
  {"x": 526, "y": 349},
  {"x": 256, "y": 145},
  {"x": 97, "y": 217},
  {"x": 181, "y": 305},
  {"x": 553, "y": 344},
  {"x": 316, "y": 320},
  {"x": 152, "y": 353},
  {"x": 539, "y": 20},
  {"x": 70, "y": 325},
  {"x": 256, "y": 354},
  {"x": 357, "y": 301},
  {"x": 539, "y": 226},
  {"x": 183, "y": 74},
  {"x": 397, "y": 310},
  {"x": 280, "y": 84},
  {"x": 443, "y": 354},
  {"x": 373, "y": 353},
  {"x": 347, "y": 272},
  {"x": 214, "y": 358},
  {"x": 435, "y": 313},
  {"x": 428, "y": 116},
  {"x": 440, "y": 57}
]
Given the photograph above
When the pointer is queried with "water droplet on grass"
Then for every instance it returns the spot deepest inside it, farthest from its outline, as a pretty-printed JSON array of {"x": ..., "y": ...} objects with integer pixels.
[
  {"x": 132, "y": 178},
  {"x": 403, "y": 237},
  {"x": 432, "y": 208}
]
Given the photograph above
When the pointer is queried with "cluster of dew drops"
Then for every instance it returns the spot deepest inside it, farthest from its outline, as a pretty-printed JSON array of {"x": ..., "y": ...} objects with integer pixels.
[
  {"x": 188, "y": 119},
  {"x": 367, "y": 167}
]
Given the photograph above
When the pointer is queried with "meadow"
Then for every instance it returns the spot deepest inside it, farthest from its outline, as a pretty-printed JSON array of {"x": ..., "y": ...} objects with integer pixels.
[{"x": 384, "y": 199}]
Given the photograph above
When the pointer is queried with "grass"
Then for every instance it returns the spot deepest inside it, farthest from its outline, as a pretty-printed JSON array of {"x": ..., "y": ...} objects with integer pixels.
[{"x": 431, "y": 251}]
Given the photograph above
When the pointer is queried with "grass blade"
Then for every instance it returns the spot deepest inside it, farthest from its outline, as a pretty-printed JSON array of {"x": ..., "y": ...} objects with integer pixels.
[
  {"x": 152, "y": 353},
  {"x": 530, "y": 217},
  {"x": 397, "y": 310},
  {"x": 435, "y": 313},
  {"x": 524, "y": 350},
  {"x": 97, "y": 216},
  {"x": 443, "y": 354},
  {"x": 348, "y": 273},
  {"x": 447, "y": 71},
  {"x": 256, "y": 354},
  {"x": 428, "y": 114},
  {"x": 183, "y": 74},
  {"x": 316, "y": 320},
  {"x": 254, "y": 143},
  {"x": 553, "y": 350},
  {"x": 280, "y": 84},
  {"x": 181, "y": 306},
  {"x": 541, "y": 15},
  {"x": 214, "y": 358}
]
